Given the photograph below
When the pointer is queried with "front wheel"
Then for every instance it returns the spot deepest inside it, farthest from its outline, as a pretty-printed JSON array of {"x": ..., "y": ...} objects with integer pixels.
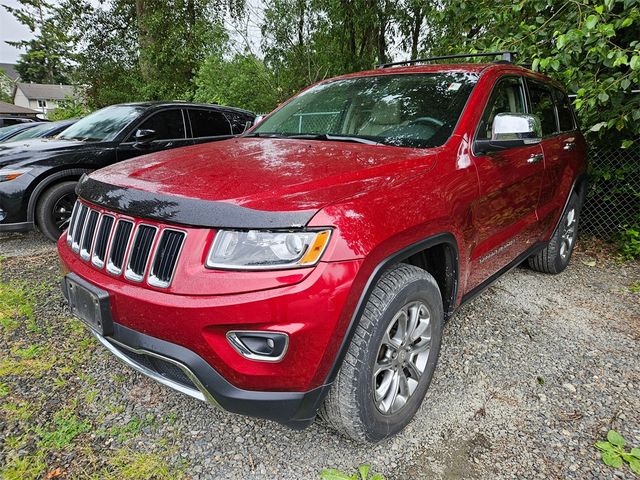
[
  {"x": 391, "y": 359},
  {"x": 554, "y": 258},
  {"x": 54, "y": 208}
]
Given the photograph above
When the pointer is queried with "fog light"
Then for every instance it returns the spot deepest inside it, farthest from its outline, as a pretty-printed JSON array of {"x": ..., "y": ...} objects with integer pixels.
[
  {"x": 3, "y": 215},
  {"x": 259, "y": 345}
]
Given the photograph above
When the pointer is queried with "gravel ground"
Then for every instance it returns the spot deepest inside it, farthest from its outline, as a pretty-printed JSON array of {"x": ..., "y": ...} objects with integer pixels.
[{"x": 531, "y": 374}]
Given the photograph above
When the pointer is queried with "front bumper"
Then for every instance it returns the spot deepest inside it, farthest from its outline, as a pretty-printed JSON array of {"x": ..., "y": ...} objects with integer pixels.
[
  {"x": 187, "y": 333},
  {"x": 148, "y": 355},
  {"x": 16, "y": 227}
]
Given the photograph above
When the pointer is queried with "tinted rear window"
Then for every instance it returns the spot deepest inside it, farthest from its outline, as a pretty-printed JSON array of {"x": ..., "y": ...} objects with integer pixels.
[
  {"x": 542, "y": 106},
  {"x": 208, "y": 123},
  {"x": 565, "y": 112}
]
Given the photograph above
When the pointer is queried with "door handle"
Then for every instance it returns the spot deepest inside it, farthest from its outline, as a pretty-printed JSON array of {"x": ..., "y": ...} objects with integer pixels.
[
  {"x": 535, "y": 158},
  {"x": 569, "y": 146}
]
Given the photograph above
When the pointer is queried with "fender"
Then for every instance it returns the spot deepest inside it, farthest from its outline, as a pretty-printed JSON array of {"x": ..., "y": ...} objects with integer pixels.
[
  {"x": 397, "y": 257},
  {"x": 73, "y": 173}
]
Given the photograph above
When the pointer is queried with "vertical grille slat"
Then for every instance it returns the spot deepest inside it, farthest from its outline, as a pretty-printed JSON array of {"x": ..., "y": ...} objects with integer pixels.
[
  {"x": 102, "y": 240},
  {"x": 119, "y": 246},
  {"x": 166, "y": 258},
  {"x": 72, "y": 222},
  {"x": 89, "y": 232},
  {"x": 140, "y": 251},
  {"x": 79, "y": 227}
]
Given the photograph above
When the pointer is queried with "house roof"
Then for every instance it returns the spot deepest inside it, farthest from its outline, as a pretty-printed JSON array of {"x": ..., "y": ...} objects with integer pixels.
[
  {"x": 40, "y": 91},
  {"x": 9, "y": 108},
  {"x": 10, "y": 70}
]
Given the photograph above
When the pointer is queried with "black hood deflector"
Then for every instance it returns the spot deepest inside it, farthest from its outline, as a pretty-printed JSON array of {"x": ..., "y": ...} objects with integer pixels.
[{"x": 185, "y": 211}]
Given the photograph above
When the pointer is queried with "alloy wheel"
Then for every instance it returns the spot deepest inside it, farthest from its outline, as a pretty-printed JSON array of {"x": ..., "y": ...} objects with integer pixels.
[
  {"x": 568, "y": 234},
  {"x": 402, "y": 357},
  {"x": 61, "y": 211}
]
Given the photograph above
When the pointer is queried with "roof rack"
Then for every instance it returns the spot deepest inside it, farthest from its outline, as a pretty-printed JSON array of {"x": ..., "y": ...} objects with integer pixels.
[{"x": 506, "y": 57}]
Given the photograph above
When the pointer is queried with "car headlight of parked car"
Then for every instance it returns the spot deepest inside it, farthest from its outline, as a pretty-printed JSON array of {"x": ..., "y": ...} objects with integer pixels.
[
  {"x": 264, "y": 250},
  {"x": 7, "y": 174}
]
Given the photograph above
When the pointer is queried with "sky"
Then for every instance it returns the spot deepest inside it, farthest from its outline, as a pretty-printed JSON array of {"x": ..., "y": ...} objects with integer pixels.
[{"x": 10, "y": 30}]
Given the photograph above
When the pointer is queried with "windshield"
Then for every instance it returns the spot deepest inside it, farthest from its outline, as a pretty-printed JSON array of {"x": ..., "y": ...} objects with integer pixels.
[
  {"x": 408, "y": 110},
  {"x": 34, "y": 132},
  {"x": 18, "y": 126},
  {"x": 103, "y": 125}
]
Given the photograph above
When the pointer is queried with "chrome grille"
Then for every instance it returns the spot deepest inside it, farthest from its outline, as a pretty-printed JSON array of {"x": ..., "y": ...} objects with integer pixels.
[
  {"x": 102, "y": 240},
  {"x": 78, "y": 227},
  {"x": 119, "y": 245},
  {"x": 122, "y": 244},
  {"x": 140, "y": 251},
  {"x": 89, "y": 232},
  {"x": 72, "y": 222},
  {"x": 165, "y": 258}
]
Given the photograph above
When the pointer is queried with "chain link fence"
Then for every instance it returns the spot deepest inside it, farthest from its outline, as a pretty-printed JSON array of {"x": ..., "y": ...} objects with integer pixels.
[{"x": 613, "y": 195}]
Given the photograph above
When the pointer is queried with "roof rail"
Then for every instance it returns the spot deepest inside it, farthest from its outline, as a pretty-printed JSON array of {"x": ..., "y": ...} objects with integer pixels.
[{"x": 506, "y": 57}]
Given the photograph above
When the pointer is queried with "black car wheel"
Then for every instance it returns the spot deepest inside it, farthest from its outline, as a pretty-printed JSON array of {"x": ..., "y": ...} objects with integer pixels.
[{"x": 54, "y": 209}]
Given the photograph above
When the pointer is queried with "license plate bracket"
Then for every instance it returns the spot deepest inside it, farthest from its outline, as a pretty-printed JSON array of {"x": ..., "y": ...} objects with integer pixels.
[{"x": 89, "y": 303}]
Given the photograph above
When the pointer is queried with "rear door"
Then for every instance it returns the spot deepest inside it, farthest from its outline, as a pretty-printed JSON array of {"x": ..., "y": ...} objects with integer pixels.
[
  {"x": 504, "y": 216},
  {"x": 560, "y": 144},
  {"x": 171, "y": 132},
  {"x": 208, "y": 125}
]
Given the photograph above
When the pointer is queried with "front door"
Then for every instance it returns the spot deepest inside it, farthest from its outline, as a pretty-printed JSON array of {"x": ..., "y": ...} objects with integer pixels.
[
  {"x": 170, "y": 132},
  {"x": 505, "y": 214}
]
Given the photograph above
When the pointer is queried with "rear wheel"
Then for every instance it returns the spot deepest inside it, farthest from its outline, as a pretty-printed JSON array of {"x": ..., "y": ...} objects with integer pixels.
[
  {"x": 555, "y": 257},
  {"x": 391, "y": 359},
  {"x": 54, "y": 208}
]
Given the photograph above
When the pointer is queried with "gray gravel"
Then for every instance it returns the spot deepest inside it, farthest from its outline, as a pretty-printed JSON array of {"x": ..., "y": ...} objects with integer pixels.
[{"x": 531, "y": 374}]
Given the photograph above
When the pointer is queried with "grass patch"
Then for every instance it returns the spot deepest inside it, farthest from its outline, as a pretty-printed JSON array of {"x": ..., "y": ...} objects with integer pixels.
[
  {"x": 61, "y": 432},
  {"x": 130, "y": 465},
  {"x": 15, "y": 305},
  {"x": 27, "y": 467}
]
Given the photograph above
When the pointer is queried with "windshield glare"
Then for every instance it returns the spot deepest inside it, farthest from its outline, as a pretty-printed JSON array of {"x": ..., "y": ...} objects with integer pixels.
[
  {"x": 103, "y": 125},
  {"x": 408, "y": 110},
  {"x": 32, "y": 132}
]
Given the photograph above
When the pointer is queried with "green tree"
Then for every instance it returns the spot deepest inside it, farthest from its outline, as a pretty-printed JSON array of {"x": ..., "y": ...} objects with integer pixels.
[
  {"x": 49, "y": 54},
  {"x": 243, "y": 81}
]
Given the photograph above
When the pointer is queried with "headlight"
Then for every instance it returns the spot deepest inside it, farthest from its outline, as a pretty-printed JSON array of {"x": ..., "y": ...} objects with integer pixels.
[
  {"x": 261, "y": 250},
  {"x": 7, "y": 174}
]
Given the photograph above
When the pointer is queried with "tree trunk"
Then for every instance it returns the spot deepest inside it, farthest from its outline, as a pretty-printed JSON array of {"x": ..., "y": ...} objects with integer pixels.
[{"x": 145, "y": 41}]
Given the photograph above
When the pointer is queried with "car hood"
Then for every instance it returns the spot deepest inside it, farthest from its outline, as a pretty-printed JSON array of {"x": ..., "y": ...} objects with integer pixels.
[
  {"x": 24, "y": 152},
  {"x": 231, "y": 182}
]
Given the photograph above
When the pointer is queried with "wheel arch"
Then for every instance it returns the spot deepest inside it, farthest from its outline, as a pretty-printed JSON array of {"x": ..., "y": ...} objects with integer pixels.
[
  {"x": 418, "y": 254},
  {"x": 48, "y": 181}
]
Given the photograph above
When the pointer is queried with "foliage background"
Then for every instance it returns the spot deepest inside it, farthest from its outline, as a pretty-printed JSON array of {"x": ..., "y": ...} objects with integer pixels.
[{"x": 206, "y": 50}]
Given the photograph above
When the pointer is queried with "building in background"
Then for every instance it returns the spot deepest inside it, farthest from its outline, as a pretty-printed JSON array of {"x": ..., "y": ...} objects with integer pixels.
[
  {"x": 42, "y": 97},
  {"x": 10, "y": 110},
  {"x": 8, "y": 79}
]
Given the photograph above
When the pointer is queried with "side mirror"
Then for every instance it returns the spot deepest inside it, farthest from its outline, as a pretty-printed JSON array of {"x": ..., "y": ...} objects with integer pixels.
[
  {"x": 258, "y": 119},
  {"x": 511, "y": 130},
  {"x": 143, "y": 136}
]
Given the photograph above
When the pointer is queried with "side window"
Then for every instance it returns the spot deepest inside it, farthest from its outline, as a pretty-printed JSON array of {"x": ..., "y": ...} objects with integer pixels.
[
  {"x": 168, "y": 125},
  {"x": 208, "y": 123},
  {"x": 542, "y": 106},
  {"x": 237, "y": 121},
  {"x": 507, "y": 97},
  {"x": 565, "y": 112}
]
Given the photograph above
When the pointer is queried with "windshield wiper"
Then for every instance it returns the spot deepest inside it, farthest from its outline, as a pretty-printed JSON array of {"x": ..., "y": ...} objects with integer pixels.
[
  {"x": 265, "y": 135},
  {"x": 334, "y": 138}
]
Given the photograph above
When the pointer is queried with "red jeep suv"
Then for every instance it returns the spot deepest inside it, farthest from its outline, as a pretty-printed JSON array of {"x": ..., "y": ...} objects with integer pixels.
[{"x": 307, "y": 267}]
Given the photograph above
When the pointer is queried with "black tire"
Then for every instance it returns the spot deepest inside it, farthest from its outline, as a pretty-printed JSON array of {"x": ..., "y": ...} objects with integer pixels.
[
  {"x": 555, "y": 257},
  {"x": 50, "y": 211},
  {"x": 351, "y": 407}
]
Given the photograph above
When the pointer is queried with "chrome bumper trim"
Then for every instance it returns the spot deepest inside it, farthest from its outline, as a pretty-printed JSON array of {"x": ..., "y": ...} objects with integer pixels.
[{"x": 200, "y": 394}]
